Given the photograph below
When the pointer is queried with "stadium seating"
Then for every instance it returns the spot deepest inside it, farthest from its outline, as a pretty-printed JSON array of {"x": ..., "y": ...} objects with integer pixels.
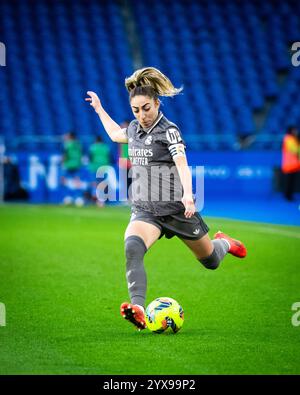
[
  {"x": 56, "y": 52},
  {"x": 227, "y": 54}
]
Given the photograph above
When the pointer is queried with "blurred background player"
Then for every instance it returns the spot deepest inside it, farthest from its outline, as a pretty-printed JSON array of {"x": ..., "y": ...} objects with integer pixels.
[
  {"x": 99, "y": 155},
  {"x": 71, "y": 165},
  {"x": 72, "y": 154},
  {"x": 155, "y": 141},
  {"x": 290, "y": 161},
  {"x": 13, "y": 190}
]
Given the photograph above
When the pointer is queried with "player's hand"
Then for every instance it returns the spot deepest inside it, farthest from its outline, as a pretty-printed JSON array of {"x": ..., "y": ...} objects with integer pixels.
[
  {"x": 94, "y": 100},
  {"x": 189, "y": 205}
]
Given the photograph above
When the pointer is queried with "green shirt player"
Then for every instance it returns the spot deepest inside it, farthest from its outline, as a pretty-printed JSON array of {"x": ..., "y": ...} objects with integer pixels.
[
  {"x": 72, "y": 153},
  {"x": 154, "y": 142},
  {"x": 123, "y": 153},
  {"x": 99, "y": 155},
  {"x": 71, "y": 167}
]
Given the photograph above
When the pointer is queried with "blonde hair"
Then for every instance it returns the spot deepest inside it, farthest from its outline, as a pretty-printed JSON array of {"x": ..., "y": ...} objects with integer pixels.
[{"x": 150, "y": 77}]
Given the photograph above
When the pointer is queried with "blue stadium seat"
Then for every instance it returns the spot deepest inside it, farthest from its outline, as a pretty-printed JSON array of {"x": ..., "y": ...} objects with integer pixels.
[{"x": 226, "y": 54}]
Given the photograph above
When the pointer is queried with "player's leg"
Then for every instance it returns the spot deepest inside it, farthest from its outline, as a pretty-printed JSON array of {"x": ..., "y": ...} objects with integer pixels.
[
  {"x": 149, "y": 233},
  {"x": 194, "y": 233},
  {"x": 211, "y": 252},
  {"x": 139, "y": 237}
]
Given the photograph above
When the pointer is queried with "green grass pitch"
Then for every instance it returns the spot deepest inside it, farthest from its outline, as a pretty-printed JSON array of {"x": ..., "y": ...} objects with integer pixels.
[{"x": 62, "y": 280}]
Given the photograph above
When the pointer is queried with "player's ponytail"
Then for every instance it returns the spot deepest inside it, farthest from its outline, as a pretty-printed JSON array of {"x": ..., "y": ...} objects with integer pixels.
[{"x": 150, "y": 79}]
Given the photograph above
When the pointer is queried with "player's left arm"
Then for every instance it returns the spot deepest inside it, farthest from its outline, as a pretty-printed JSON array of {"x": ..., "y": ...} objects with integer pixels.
[
  {"x": 176, "y": 148},
  {"x": 186, "y": 181}
]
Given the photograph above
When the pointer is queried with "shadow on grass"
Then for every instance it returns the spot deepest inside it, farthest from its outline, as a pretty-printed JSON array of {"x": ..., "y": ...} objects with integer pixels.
[{"x": 183, "y": 333}]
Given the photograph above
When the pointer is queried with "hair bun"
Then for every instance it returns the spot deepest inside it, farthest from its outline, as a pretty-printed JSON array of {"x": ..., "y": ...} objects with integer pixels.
[{"x": 154, "y": 78}]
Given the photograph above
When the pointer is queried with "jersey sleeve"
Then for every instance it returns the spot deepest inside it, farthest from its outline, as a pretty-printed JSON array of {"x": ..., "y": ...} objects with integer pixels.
[
  {"x": 131, "y": 128},
  {"x": 173, "y": 139}
]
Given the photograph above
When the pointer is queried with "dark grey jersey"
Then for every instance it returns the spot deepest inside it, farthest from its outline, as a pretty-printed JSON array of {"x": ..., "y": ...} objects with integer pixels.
[{"x": 156, "y": 185}]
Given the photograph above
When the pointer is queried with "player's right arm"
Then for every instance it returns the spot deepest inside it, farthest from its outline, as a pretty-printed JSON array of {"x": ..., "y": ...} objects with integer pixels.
[{"x": 115, "y": 132}]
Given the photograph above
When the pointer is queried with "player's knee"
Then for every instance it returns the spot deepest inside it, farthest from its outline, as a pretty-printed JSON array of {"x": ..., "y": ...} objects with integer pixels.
[
  {"x": 211, "y": 262},
  {"x": 134, "y": 247}
]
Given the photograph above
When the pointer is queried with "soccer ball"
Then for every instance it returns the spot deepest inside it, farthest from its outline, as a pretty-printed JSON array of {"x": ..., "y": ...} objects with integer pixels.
[{"x": 164, "y": 314}]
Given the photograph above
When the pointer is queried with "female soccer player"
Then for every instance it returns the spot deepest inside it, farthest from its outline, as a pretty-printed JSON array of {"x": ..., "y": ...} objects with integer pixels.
[{"x": 161, "y": 205}]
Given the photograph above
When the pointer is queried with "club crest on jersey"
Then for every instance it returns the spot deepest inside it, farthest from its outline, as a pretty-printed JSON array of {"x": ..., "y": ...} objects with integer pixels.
[
  {"x": 173, "y": 135},
  {"x": 148, "y": 140}
]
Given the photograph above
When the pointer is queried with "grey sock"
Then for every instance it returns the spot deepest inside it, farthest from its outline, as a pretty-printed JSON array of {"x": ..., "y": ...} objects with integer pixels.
[
  {"x": 135, "y": 250},
  {"x": 221, "y": 247},
  {"x": 220, "y": 250},
  {"x": 212, "y": 261}
]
